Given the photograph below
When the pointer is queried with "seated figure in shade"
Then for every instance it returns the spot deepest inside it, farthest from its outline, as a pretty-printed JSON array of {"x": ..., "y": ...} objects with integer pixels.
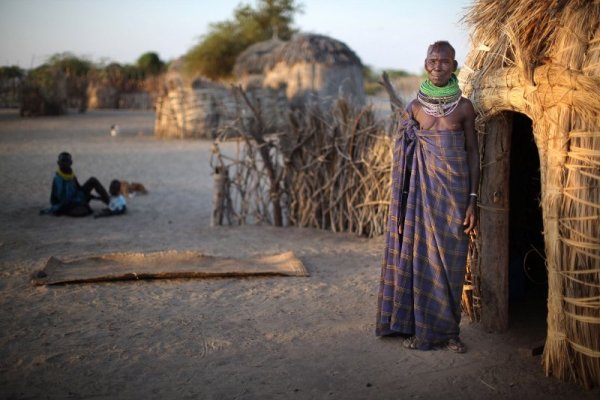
[{"x": 68, "y": 197}]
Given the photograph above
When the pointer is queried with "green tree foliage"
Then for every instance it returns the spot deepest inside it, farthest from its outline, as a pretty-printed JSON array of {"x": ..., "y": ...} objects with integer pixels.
[
  {"x": 70, "y": 65},
  {"x": 11, "y": 78},
  {"x": 76, "y": 72},
  {"x": 59, "y": 83},
  {"x": 217, "y": 51},
  {"x": 150, "y": 64},
  {"x": 43, "y": 92},
  {"x": 63, "y": 81},
  {"x": 114, "y": 74},
  {"x": 11, "y": 72}
]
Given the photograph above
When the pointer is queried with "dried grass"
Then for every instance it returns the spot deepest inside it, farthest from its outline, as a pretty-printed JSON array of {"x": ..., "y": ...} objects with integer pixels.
[
  {"x": 542, "y": 59},
  {"x": 332, "y": 172}
]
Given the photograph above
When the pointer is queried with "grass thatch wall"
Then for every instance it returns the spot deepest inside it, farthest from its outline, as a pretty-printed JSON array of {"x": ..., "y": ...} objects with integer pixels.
[
  {"x": 303, "y": 82},
  {"x": 106, "y": 96},
  {"x": 204, "y": 109},
  {"x": 542, "y": 59},
  {"x": 102, "y": 96}
]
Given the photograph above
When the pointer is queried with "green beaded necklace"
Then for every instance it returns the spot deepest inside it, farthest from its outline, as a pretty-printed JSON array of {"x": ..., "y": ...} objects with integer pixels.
[
  {"x": 439, "y": 101},
  {"x": 430, "y": 90}
]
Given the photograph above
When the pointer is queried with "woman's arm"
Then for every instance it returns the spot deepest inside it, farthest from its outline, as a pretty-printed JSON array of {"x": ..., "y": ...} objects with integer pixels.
[{"x": 472, "y": 148}]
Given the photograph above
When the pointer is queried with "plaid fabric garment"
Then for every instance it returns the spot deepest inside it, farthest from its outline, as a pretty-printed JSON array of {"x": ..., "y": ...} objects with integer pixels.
[{"x": 423, "y": 270}]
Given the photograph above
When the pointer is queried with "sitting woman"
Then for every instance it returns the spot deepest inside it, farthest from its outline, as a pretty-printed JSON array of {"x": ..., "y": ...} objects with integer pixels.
[{"x": 70, "y": 198}]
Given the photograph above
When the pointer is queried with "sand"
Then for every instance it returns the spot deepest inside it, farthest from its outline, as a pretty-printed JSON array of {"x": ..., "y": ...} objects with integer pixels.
[{"x": 250, "y": 338}]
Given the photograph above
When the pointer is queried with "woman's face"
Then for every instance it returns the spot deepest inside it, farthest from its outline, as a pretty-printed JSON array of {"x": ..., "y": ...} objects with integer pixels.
[{"x": 440, "y": 65}]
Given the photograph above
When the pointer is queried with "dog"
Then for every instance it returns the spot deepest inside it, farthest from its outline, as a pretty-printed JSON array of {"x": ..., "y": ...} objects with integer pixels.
[
  {"x": 114, "y": 130},
  {"x": 130, "y": 189}
]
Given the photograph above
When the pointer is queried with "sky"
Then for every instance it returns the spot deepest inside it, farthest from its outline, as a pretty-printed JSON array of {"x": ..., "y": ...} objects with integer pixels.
[{"x": 385, "y": 34}]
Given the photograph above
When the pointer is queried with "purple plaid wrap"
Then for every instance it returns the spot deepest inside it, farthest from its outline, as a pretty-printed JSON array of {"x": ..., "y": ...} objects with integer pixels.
[{"x": 423, "y": 269}]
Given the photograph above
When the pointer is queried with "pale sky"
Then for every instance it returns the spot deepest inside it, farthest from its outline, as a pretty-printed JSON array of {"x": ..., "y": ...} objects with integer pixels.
[{"x": 385, "y": 34}]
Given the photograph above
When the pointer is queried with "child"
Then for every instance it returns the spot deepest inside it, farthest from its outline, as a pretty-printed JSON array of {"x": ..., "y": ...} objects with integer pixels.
[
  {"x": 68, "y": 197},
  {"x": 117, "y": 204}
]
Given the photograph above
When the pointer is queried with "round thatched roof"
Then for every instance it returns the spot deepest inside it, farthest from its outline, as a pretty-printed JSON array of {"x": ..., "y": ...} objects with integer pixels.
[
  {"x": 255, "y": 58},
  {"x": 313, "y": 48}
]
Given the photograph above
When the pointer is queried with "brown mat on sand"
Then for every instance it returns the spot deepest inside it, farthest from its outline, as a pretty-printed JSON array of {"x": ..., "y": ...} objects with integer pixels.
[{"x": 164, "y": 265}]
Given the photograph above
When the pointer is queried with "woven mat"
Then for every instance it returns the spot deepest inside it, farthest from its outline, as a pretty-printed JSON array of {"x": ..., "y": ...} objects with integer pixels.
[{"x": 164, "y": 265}]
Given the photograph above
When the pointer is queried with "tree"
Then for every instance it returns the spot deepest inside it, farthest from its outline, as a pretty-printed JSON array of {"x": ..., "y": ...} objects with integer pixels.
[
  {"x": 75, "y": 71},
  {"x": 11, "y": 78},
  {"x": 11, "y": 72},
  {"x": 215, "y": 55},
  {"x": 150, "y": 64},
  {"x": 70, "y": 65},
  {"x": 43, "y": 92}
]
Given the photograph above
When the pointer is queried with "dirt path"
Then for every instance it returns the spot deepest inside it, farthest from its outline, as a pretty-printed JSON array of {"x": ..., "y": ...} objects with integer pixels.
[{"x": 254, "y": 338}]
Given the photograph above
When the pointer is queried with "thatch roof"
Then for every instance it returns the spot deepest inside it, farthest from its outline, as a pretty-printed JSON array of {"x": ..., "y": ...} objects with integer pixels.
[
  {"x": 523, "y": 35},
  {"x": 542, "y": 59},
  {"x": 313, "y": 48},
  {"x": 255, "y": 58}
]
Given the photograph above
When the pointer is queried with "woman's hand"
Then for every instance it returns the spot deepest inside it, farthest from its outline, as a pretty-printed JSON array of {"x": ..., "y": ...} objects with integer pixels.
[{"x": 470, "y": 217}]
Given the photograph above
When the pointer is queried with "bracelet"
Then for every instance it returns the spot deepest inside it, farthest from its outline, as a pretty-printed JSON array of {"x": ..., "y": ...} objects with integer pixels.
[{"x": 473, "y": 195}]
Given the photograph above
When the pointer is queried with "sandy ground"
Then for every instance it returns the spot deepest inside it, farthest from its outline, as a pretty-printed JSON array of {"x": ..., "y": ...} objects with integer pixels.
[{"x": 252, "y": 338}]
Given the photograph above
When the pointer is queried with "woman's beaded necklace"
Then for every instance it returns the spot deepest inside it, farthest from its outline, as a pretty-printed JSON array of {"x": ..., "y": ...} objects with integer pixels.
[
  {"x": 65, "y": 176},
  {"x": 439, "y": 101}
]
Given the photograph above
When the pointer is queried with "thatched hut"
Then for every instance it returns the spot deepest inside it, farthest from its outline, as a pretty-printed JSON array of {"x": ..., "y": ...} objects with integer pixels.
[
  {"x": 102, "y": 96},
  {"x": 202, "y": 108},
  {"x": 250, "y": 65},
  {"x": 106, "y": 96},
  {"x": 539, "y": 62},
  {"x": 315, "y": 65},
  {"x": 185, "y": 109}
]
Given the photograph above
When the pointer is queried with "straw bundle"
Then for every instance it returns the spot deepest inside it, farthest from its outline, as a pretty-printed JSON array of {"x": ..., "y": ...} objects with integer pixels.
[
  {"x": 542, "y": 59},
  {"x": 339, "y": 171}
]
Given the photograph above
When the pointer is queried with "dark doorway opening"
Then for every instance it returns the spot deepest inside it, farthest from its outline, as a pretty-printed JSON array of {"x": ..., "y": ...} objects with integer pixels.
[{"x": 528, "y": 283}]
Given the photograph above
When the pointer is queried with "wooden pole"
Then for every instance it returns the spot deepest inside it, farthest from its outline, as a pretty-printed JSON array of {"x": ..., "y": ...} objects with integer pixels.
[
  {"x": 395, "y": 101},
  {"x": 257, "y": 132},
  {"x": 493, "y": 225},
  {"x": 220, "y": 178}
]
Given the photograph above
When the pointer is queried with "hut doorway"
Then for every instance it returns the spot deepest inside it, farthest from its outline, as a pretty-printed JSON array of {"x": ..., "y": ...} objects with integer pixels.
[
  {"x": 527, "y": 274},
  {"x": 511, "y": 256}
]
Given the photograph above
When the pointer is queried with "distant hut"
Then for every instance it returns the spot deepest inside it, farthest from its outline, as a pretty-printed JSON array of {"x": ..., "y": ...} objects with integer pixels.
[
  {"x": 275, "y": 75},
  {"x": 186, "y": 109},
  {"x": 102, "y": 96},
  {"x": 312, "y": 65},
  {"x": 250, "y": 65},
  {"x": 533, "y": 74},
  {"x": 204, "y": 109}
]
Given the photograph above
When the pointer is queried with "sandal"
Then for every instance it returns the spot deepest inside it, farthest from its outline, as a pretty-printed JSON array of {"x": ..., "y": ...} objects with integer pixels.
[
  {"x": 413, "y": 343},
  {"x": 456, "y": 346}
]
